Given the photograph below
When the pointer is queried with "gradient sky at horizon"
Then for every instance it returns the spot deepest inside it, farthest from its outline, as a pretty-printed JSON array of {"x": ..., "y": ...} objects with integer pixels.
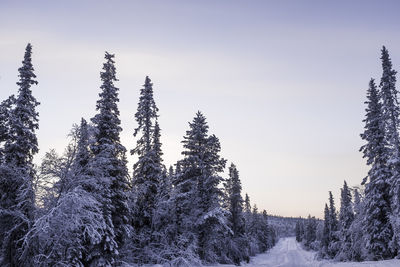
[{"x": 282, "y": 83}]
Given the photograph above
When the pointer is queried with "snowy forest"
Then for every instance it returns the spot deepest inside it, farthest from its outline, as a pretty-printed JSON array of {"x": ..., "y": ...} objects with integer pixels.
[
  {"x": 84, "y": 208},
  {"x": 367, "y": 226}
]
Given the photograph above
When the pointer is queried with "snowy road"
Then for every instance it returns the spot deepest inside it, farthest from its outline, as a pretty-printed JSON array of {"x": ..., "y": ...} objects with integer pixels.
[{"x": 288, "y": 253}]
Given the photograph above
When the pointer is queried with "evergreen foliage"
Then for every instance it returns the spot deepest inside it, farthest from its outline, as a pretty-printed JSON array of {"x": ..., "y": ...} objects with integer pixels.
[
  {"x": 17, "y": 205},
  {"x": 109, "y": 165}
]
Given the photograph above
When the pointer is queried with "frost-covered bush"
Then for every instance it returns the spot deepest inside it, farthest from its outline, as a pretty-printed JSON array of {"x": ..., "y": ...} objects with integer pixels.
[{"x": 68, "y": 234}]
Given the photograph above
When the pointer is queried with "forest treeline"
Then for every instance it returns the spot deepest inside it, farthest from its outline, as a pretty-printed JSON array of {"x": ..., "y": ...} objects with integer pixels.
[
  {"x": 367, "y": 226},
  {"x": 83, "y": 208}
]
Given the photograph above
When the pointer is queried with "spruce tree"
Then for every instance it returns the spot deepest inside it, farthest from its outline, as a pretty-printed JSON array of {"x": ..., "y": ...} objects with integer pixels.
[
  {"x": 298, "y": 231},
  {"x": 377, "y": 228},
  {"x": 390, "y": 117},
  {"x": 148, "y": 169},
  {"x": 325, "y": 241},
  {"x": 233, "y": 188},
  {"x": 310, "y": 231},
  {"x": 234, "y": 204},
  {"x": 197, "y": 188},
  {"x": 149, "y": 177},
  {"x": 390, "y": 105},
  {"x": 21, "y": 143},
  {"x": 247, "y": 212},
  {"x": 247, "y": 205},
  {"x": 266, "y": 238},
  {"x": 346, "y": 217},
  {"x": 5, "y": 110},
  {"x": 81, "y": 165},
  {"x": 109, "y": 164},
  {"x": 333, "y": 228},
  {"x": 356, "y": 229},
  {"x": 17, "y": 170}
]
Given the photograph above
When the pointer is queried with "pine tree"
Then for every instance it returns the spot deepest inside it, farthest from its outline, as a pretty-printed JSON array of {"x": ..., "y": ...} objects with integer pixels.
[
  {"x": 377, "y": 226},
  {"x": 17, "y": 171},
  {"x": 109, "y": 164},
  {"x": 346, "y": 217}
]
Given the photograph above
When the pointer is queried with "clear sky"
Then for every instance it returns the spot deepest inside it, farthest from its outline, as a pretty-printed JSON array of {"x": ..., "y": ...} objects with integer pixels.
[{"x": 282, "y": 83}]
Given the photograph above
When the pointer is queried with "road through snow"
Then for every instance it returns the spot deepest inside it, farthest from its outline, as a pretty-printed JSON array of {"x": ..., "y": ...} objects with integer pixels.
[
  {"x": 286, "y": 253},
  {"x": 289, "y": 253}
]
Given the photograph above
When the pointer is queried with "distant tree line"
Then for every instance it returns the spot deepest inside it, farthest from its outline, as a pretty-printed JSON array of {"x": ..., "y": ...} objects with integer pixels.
[
  {"x": 367, "y": 226},
  {"x": 83, "y": 208}
]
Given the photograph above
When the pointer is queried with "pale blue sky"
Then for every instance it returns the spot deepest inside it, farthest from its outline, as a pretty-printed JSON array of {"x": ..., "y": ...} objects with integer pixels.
[{"x": 282, "y": 83}]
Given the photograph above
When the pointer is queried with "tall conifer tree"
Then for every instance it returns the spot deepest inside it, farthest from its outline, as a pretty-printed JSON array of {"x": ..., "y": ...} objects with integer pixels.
[
  {"x": 334, "y": 227},
  {"x": 197, "y": 188},
  {"x": 109, "y": 162},
  {"x": 346, "y": 217},
  {"x": 17, "y": 171},
  {"x": 390, "y": 117},
  {"x": 325, "y": 241},
  {"x": 377, "y": 225},
  {"x": 148, "y": 169}
]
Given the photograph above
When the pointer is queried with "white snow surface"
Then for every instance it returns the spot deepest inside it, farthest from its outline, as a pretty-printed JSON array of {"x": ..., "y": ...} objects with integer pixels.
[{"x": 289, "y": 253}]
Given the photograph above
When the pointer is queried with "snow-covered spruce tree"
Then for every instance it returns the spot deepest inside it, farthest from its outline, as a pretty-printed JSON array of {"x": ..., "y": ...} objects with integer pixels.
[
  {"x": 161, "y": 247},
  {"x": 325, "y": 240},
  {"x": 334, "y": 243},
  {"x": 17, "y": 171},
  {"x": 5, "y": 108},
  {"x": 238, "y": 247},
  {"x": 83, "y": 155},
  {"x": 247, "y": 212},
  {"x": 147, "y": 173},
  {"x": 297, "y": 231},
  {"x": 253, "y": 234},
  {"x": 310, "y": 232},
  {"x": 233, "y": 189},
  {"x": 346, "y": 217},
  {"x": 200, "y": 217},
  {"x": 390, "y": 118},
  {"x": 356, "y": 228},
  {"x": 109, "y": 166},
  {"x": 261, "y": 234},
  {"x": 377, "y": 227},
  {"x": 267, "y": 240},
  {"x": 148, "y": 168}
]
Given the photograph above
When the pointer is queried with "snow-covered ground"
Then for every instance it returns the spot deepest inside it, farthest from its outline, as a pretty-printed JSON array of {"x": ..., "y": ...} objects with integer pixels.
[{"x": 288, "y": 253}]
